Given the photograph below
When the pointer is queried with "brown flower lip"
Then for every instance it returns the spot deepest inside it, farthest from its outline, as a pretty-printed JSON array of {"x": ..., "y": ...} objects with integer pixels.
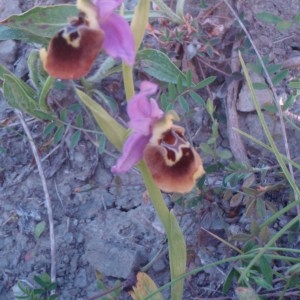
[
  {"x": 72, "y": 51},
  {"x": 173, "y": 162}
]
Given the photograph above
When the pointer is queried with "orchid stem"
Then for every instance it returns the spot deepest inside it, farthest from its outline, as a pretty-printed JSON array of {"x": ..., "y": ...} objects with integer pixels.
[
  {"x": 128, "y": 81},
  {"x": 176, "y": 242}
]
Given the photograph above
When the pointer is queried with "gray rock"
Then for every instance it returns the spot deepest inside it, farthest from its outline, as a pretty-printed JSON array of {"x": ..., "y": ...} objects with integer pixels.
[
  {"x": 112, "y": 259},
  {"x": 245, "y": 103}
]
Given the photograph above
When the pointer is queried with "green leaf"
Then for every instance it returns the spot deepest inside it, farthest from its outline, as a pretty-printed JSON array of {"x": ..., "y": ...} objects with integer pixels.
[
  {"x": 262, "y": 282},
  {"x": 172, "y": 91},
  {"x": 39, "y": 23},
  {"x": 75, "y": 138},
  {"x": 48, "y": 83},
  {"x": 63, "y": 115},
  {"x": 158, "y": 65},
  {"x": 284, "y": 25},
  {"x": 7, "y": 33},
  {"x": 294, "y": 84},
  {"x": 39, "y": 229},
  {"x": 164, "y": 101},
  {"x": 207, "y": 81},
  {"x": 59, "y": 134},
  {"x": 273, "y": 68},
  {"x": 43, "y": 115},
  {"x": 35, "y": 69},
  {"x": 189, "y": 79},
  {"x": 115, "y": 132},
  {"x": 229, "y": 279},
  {"x": 266, "y": 269},
  {"x": 210, "y": 107},
  {"x": 205, "y": 148},
  {"x": 279, "y": 77},
  {"x": 49, "y": 128},
  {"x": 19, "y": 95},
  {"x": 79, "y": 120},
  {"x": 184, "y": 104},
  {"x": 260, "y": 86},
  {"x": 269, "y": 18},
  {"x": 224, "y": 154},
  {"x": 197, "y": 98},
  {"x": 101, "y": 144},
  {"x": 289, "y": 102},
  {"x": 180, "y": 84}
]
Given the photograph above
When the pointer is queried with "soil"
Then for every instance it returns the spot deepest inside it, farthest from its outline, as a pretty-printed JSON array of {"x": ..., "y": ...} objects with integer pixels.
[{"x": 105, "y": 224}]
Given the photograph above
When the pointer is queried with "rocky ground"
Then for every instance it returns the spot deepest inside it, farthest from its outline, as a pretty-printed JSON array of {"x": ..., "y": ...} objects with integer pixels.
[{"x": 106, "y": 224}]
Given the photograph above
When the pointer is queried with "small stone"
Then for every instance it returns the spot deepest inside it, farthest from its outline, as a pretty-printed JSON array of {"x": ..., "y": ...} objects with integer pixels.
[
  {"x": 112, "y": 259},
  {"x": 264, "y": 96},
  {"x": 159, "y": 265}
]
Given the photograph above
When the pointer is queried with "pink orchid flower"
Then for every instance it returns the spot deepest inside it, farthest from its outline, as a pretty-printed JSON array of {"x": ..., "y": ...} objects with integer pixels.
[
  {"x": 173, "y": 162},
  {"x": 73, "y": 49},
  {"x": 143, "y": 113},
  {"x": 118, "y": 39}
]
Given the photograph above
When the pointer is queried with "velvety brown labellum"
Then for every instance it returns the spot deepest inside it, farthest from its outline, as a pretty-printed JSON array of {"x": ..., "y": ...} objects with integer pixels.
[
  {"x": 173, "y": 163},
  {"x": 72, "y": 51}
]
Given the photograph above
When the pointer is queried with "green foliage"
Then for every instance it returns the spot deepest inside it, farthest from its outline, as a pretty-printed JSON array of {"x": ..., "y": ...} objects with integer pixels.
[
  {"x": 279, "y": 22},
  {"x": 37, "y": 25},
  {"x": 44, "y": 291}
]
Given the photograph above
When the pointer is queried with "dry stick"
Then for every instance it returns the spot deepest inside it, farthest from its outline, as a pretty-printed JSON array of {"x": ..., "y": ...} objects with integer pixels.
[
  {"x": 269, "y": 81},
  {"x": 235, "y": 141},
  {"x": 46, "y": 193}
]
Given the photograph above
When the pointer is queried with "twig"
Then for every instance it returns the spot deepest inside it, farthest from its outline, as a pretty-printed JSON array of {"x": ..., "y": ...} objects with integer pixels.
[
  {"x": 235, "y": 141},
  {"x": 46, "y": 193}
]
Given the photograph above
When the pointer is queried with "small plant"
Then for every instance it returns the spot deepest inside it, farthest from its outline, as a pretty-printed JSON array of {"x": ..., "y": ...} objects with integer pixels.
[{"x": 44, "y": 291}]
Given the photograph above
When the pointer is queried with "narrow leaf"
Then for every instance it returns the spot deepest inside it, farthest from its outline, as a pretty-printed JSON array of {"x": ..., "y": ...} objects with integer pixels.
[
  {"x": 266, "y": 269},
  {"x": 59, "y": 134},
  {"x": 197, "y": 98},
  {"x": 207, "y": 81},
  {"x": 75, "y": 138},
  {"x": 115, "y": 132},
  {"x": 284, "y": 25},
  {"x": 39, "y": 229},
  {"x": 269, "y": 18},
  {"x": 177, "y": 253},
  {"x": 184, "y": 104},
  {"x": 279, "y": 77}
]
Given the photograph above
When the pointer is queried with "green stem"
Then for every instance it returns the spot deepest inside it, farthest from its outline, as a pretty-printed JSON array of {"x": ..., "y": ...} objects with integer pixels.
[
  {"x": 44, "y": 92},
  {"x": 176, "y": 242}
]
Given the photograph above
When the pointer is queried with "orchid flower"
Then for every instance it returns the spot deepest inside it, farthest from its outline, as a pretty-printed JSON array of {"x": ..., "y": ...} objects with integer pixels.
[
  {"x": 173, "y": 162},
  {"x": 73, "y": 49}
]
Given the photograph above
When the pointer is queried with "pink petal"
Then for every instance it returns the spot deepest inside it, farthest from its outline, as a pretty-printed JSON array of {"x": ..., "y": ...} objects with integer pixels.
[
  {"x": 118, "y": 40},
  {"x": 132, "y": 152},
  {"x": 143, "y": 111},
  {"x": 105, "y": 8}
]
